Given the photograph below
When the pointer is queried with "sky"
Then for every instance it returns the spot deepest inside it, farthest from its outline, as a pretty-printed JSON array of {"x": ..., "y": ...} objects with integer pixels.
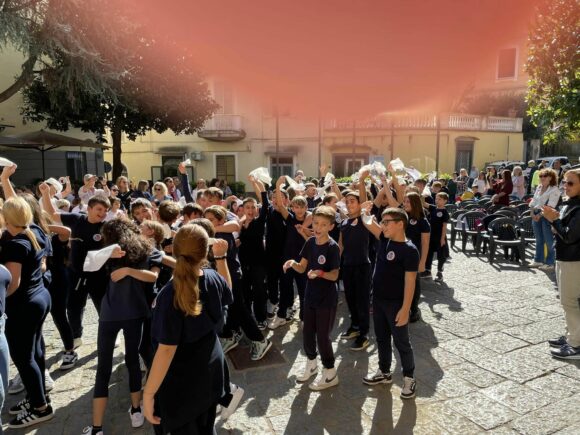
[{"x": 339, "y": 58}]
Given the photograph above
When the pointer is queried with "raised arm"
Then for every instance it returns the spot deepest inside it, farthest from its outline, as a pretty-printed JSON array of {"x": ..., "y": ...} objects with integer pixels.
[
  {"x": 280, "y": 208},
  {"x": 362, "y": 190},
  {"x": 67, "y": 188},
  {"x": 373, "y": 226},
  {"x": 232, "y": 226},
  {"x": 6, "y": 184},
  {"x": 62, "y": 232},
  {"x": 185, "y": 187},
  {"x": 47, "y": 203}
]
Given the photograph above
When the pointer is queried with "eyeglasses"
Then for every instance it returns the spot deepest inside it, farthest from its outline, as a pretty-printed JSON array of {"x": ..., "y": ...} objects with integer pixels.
[
  {"x": 114, "y": 190},
  {"x": 157, "y": 188},
  {"x": 569, "y": 183},
  {"x": 385, "y": 222}
]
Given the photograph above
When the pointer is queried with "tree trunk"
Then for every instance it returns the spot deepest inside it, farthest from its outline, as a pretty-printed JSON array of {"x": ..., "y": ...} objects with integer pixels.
[
  {"x": 23, "y": 80},
  {"x": 116, "y": 133}
]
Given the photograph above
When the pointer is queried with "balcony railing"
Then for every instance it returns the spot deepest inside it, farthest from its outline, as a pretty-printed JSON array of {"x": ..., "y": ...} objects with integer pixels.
[
  {"x": 223, "y": 128},
  {"x": 448, "y": 121}
]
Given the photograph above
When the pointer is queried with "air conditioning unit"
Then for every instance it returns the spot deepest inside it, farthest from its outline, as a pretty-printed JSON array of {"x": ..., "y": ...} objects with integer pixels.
[{"x": 196, "y": 156}]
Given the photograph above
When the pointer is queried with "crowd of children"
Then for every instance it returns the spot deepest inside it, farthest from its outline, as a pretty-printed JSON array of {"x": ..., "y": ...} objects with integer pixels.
[{"x": 186, "y": 274}]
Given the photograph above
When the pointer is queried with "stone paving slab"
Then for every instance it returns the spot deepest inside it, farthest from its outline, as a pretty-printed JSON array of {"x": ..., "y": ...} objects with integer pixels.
[{"x": 482, "y": 365}]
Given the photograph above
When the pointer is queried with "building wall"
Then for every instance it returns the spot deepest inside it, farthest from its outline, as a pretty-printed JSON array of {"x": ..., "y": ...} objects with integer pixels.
[{"x": 417, "y": 148}]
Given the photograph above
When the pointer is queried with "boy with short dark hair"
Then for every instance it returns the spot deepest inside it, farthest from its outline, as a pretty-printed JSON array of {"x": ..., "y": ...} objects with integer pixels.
[
  {"x": 393, "y": 287},
  {"x": 142, "y": 210},
  {"x": 297, "y": 221},
  {"x": 191, "y": 211},
  {"x": 438, "y": 218},
  {"x": 311, "y": 199},
  {"x": 320, "y": 256}
]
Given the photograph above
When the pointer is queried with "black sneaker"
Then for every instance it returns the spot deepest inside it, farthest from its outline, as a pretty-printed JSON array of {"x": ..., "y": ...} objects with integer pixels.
[
  {"x": 425, "y": 274},
  {"x": 439, "y": 277},
  {"x": 360, "y": 343},
  {"x": 350, "y": 333},
  {"x": 262, "y": 325},
  {"x": 24, "y": 405},
  {"x": 378, "y": 378},
  {"x": 409, "y": 386},
  {"x": 558, "y": 342},
  {"x": 415, "y": 316},
  {"x": 31, "y": 417},
  {"x": 566, "y": 352}
]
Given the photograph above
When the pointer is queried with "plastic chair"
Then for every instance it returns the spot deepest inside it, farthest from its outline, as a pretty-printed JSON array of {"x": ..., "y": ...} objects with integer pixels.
[
  {"x": 508, "y": 212},
  {"x": 506, "y": 232},
  {"x": 526, "y": 213},
  {"x": 482, "y": 238},
  {"x": 471, "y": 221},
  {"x": 451, "y": 208},
  {"x": 527, "y": 198},
  {"x": 453, "y": 221},
  {"x": 474, "y": 206},
  {"x": 527, "y": 229}
]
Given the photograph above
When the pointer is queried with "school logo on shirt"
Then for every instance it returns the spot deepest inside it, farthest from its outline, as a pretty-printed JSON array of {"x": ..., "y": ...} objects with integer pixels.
[
  {"x": 439, "y": 213},
  {"x": 321, "y": 259},
  {"x": 97, "y": 237},
  {"x": 391, "y": 255},
  {"x": 354, "y": 223},
  {"x": 413, "y": 222}
]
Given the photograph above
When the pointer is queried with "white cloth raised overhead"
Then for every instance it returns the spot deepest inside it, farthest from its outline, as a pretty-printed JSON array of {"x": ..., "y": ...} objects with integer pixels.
[
  {"x": 5, "y": 162},
  {"x": 262, "y": 174},
  {"x": 95, "y": 260}
]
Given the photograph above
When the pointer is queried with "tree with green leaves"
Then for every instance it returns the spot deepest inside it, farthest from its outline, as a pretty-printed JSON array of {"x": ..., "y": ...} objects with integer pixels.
[
  {"x": 66, "y": 43},
  {"x": 554, "y": 68},
  {"x": 161, "y": 91}
]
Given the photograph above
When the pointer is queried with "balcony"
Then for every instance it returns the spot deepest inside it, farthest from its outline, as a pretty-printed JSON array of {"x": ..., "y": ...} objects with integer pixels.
[
  {"x": 223, "y": 128},
  {"x": 448, "y": 121}
]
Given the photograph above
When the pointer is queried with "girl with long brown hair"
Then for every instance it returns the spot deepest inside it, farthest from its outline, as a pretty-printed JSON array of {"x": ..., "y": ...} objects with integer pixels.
[{"x": 187, "y": 375}]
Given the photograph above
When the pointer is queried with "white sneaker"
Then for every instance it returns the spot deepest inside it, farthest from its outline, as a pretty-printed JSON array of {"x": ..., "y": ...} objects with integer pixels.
[
  {"x": 229, "y": 343},
  {"x": 48, "y": 382},
  {"x": 259, "y": 349},
  {"x": 237, "y": 394},
  {"x": 328, "y": 378},
  {"x": 276, "y": 322},
  {"x": 69, "y": 360},
  {"x": 89, "y": 430},
  {"x": 409, "y": 386},
  {"x": 535, "y": 265},
  {"x": 137, "y": 418},
  {"x": 310, "y": 369},
  {"x": 16, "y": 385},
  {"x": 547, "y": 267}
]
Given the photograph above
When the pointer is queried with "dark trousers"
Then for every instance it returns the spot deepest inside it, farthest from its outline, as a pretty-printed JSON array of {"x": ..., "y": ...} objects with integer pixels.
[
  {"x": 240, "y": 317},
  {"x": 318, "y": 324},
  {"x": 146, "y": 346},
  {"x": 441, "y": 257},
  {"x": 273, "y": 277},
  {"x": 82, "y": 285},
  {"x": 26, "y": 344},
  {"x": 59, "y": 288},
  {"x": 384, "y": 313},
  {"x": 287, "y": 291},
  {"x": 357, "y": 290},
  {"x": 107, "y": 335},
  {"x": 203, "y": 424},
  {"x": 255, "y": 293},
  {"x": 416, "y": 295}
]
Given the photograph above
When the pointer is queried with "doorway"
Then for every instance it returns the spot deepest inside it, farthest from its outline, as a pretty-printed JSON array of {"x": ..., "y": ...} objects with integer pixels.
[{"x": 464, "y": 154}]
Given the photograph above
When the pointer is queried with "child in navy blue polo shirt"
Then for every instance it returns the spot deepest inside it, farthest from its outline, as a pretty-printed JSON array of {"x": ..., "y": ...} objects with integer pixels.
[
  {"x": 393, "y": 287},
  {"x": 297, "y": 222},
  {"x": 320, "y": 256},
  {"x": 438, "y": 217}
]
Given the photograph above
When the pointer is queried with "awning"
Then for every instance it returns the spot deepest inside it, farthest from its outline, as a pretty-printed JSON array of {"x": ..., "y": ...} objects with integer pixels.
[{"x": 45, "y": 141}]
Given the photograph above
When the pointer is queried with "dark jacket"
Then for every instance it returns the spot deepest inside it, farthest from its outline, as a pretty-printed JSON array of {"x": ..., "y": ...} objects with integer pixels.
[{"x": 567, "y": 229}]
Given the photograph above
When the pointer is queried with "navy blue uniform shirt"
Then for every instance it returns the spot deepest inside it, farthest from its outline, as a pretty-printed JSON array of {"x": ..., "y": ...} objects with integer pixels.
[
  {"x": 355, "y": 242},
  {"x": 320, "y": 292}
]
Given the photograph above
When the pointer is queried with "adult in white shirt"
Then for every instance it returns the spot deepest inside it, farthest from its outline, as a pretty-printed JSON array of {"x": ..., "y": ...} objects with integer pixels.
[{"x": 88, "y": 190}]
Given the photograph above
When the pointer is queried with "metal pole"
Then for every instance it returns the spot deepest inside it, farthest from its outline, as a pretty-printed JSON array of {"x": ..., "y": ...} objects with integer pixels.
[
  {"x": 277, "y": 142},
  {"x": 437, "y": 143},
  {"x": 392, "y": 139},
  {"x": 319, "y": 147},
  {"x": 353, "y": 145}
]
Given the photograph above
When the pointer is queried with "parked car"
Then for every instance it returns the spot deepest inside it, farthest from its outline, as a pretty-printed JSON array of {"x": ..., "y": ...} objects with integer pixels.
[
  {"x": 505, "y": 164},
  {"x": 550, "y": 160}
]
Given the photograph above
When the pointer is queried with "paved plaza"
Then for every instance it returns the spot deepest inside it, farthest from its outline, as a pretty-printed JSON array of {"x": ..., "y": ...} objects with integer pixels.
[{"x": 482, "y": 364}]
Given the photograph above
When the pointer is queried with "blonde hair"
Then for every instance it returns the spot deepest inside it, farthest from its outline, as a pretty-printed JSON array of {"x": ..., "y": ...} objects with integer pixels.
[
  {"x": 18, "y": 213},
  {"x": 190, "y": 247},
  {"x": 162, "y": 186},
  {"x": 157, "y": 228},
  {"x": 517, "y": 171}
]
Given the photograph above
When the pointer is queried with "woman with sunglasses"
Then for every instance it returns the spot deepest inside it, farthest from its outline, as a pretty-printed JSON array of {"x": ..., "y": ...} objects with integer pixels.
[
  {"x": 566, "y": 225},
  {"x": 160, "y": 193},
  {"x": 547, "y": 193}
]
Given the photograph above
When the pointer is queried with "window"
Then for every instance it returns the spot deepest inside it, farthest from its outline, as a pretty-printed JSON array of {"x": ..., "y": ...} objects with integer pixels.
[
  {"x": 225, "y": 168},
  {"x": 170, "y": 164},
  {"x": 76, "y": 165},
  {"x": 224, "y": 96},
  {"x": 286, "y": 165},
  {"x": 507, "y": 64}
]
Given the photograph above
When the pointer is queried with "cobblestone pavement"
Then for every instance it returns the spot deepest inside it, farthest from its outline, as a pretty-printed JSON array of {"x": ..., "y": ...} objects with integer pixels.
[{"x": 482, "y": 364}]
